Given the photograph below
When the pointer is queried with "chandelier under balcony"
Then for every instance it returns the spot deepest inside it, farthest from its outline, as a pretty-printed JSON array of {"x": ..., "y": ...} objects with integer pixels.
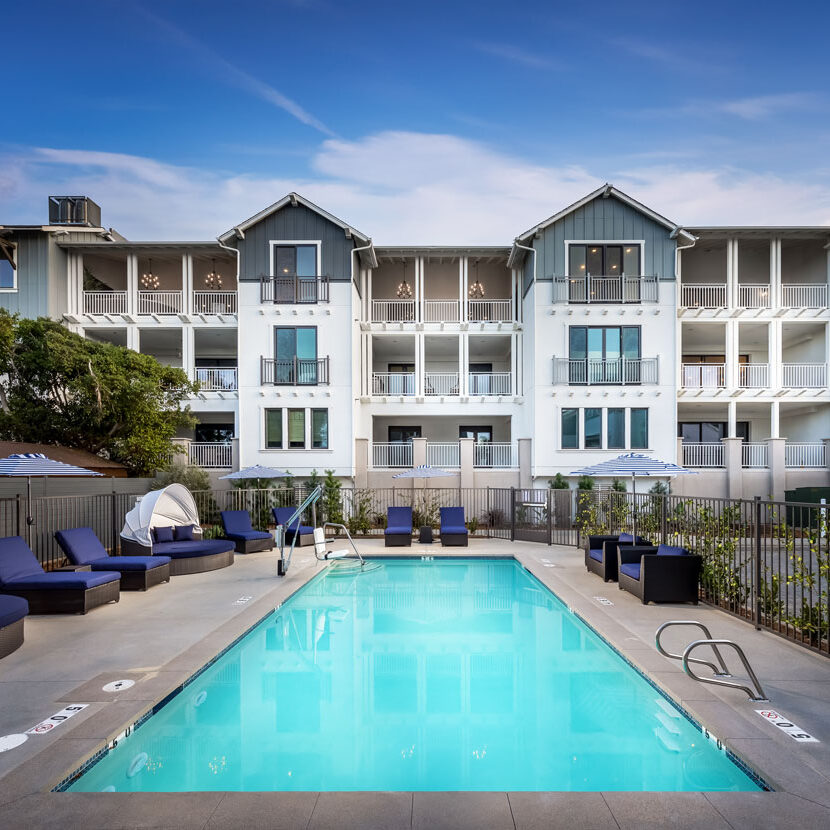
[
  {"x": 476, "y": 289},
  {"x": 149, "y": 280},
  {"x": 404, "y": 291},
  {"x": 213, "y": 281}
]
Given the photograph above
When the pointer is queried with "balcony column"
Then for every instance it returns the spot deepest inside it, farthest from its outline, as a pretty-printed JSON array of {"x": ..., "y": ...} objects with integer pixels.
[
  {"x": 133, "y": 338},
  {"x": 775, "y": 292},
  {"x": 184, "y": 443},
  {"x": 369, "y": 314},
  {"x": 732, "y": 419},
  {"x": 419, "y": 365},
  {"x": 361, "y": 463},
  {"x": 235, "y": 454},
  {"x": 132, "y": 284},
  {"x": 775, "y": 419},
  {"x": 525, "y": 462},
  {"x": 466, "y": 450},
  {"x": 463, "y": 363},
  {"x": 774, "y": 353},
  {"x": 731, "y": 273},
  {"x": 731, "y": 354},
  {"x": 189, "y": 351},
  {"x": 733, "y": 461},
  {"x": 776, "y": 456},
  {"x": 679, "y": 450},
  {"x": 513, "y": 373},
  {"x": 419, "y": 289},
  {"x": 370, "y": 364},
  {"x": 187, "y": 284},
  {"x": 462, "y": 288}
]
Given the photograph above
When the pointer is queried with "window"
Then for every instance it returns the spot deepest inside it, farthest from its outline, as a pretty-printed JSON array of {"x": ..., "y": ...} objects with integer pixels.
[
  {"x": 595, "y": 352},
  {"x": 709, "y": 432},
  {"x": 296, "y": 355},
  {"x": 295, "y": 260},
  {"x": 296, "y": 429},
  {"x": 319, "y": 429},
  {"x": 213, "y": 433},
  {"x": 603, "y": 260},
  {"x": 403, "y": 435},
  {"x": 273, "y": 429},
  {"x": 570, "y": 429},
  {"x": 639, "y": 429},
  {"x": 481, "y": 435},
  {"x": 616, "y": 429},
  {"x": 8, "y": 272},
  {"x": 593, "y": 429}
]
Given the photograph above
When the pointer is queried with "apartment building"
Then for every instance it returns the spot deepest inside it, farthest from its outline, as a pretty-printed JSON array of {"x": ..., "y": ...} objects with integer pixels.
[{"x": 605, "y": 328}]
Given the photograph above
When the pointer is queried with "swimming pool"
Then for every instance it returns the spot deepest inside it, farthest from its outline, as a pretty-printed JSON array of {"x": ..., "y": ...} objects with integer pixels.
[{"x": 459, "y": 674}]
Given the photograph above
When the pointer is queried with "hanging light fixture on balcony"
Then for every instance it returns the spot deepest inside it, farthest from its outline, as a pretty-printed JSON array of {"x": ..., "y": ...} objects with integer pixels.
[
  {"x": 476, "y": 290},
  {"x": 213, "y": 281},
  {"x": 149, "y": 280},
  {"x": 404, "y": 290}
]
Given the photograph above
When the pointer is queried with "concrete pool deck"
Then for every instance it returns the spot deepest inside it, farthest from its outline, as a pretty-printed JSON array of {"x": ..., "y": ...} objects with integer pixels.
[{"x": 160, "y": 638}]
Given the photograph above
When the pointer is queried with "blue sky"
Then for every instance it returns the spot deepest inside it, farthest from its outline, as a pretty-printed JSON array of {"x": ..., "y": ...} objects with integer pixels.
[{"x": 432, "y": 122}]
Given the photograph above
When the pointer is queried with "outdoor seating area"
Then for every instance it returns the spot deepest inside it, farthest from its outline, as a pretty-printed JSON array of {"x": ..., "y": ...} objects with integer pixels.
[
  {"x": 665, "y": 573},
  {"x": 453, "y": 530},
  {"x": 601, "y": 553},
  {"x": 238, "y": 528},
  {"x": 398, "y": 532}
]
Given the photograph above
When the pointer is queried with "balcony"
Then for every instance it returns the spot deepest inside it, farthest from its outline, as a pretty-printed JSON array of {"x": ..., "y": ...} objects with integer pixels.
[
  {"x": 294, "y": 290},
  {"x": 444, "y": 455},
  {"x": 441, "y": 383},
  {"x": 805, "y": 295},
  {"x": 219, "y": 379},
  {"x": 703, "y": 455},
  {"x": 804, "y": 375},
  {"x": 392, "y": 455},
  {"x": 754, "y": 456},
  {"x": 393, "y": 383},
  {"x": 495, "y": 455},
  {"x": 296, "y": 372},
  {"x": 441, "y": 311},
  {"x": 489, "y": 383},
  {"x": 753, "y": 375},
  {"x": 754, "y": 296},
  {"x": 105, "y": 302},
  {"x": 704, "y": 375},
  {"x": 590, "y": 371},
  {"x": 703, "y": 295},
  {"x": 810, "y": 456},
  {"x": 605, "y": 289},
  {"x": 489, "y": 311},
  {"x": 214, "y": 302},
  {"x": 160, "y": 302},
  {"x": 210, "y": 456}
]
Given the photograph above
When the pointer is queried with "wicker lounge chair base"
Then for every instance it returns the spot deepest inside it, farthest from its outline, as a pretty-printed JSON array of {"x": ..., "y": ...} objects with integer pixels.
[
  {"x": 398, "y": 540},
  {"x": 255, "y": 545},
  {"x": 67, "y": 600},
  {"x": 142, "y": 580},
  {"x": 201, "y": 564},
  {"x": 11, "y": 637},
  {"x": 454, "y": 540}
]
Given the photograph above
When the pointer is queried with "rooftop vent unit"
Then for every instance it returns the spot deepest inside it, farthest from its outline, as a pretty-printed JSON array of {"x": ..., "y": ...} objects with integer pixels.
[{"x": 74, "y": 210}]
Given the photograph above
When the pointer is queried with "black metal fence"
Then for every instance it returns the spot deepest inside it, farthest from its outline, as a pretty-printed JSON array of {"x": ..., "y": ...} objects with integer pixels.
[{"x": 765, "y": 561}]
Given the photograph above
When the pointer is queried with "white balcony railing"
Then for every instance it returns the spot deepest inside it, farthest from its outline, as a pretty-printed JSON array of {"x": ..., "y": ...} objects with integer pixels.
[
  {"x": 393, "y": 383},
  {"x": 703, "y": 295},
  {"x": 805, "y": 295},
  {"x": 804, "y": 375},
  {"x": 159, "y": 302},
  {"x": 605, "y": 289},
  {"x": 444, "y": 454},
  {"x": 805, "y": 455},
  {"x": 704, "y": 375},
  {"x": 597, "y": 371},
  {"x": 441, "y": 383},
  {"x": 703, "y": 455},
  {"x": 105, "y": 302},
  {"x": 488, "y": 383},
  {"x": 211, "y": 455},
  {"x": 396, "y": 454},
  {"x": 393, "y": 311},
  {"x": 492, "y": 455},
  {"x": 754, "y": 455},
  {"x": 753, "y": 375},
  {"x": 442, "y": 311},
  {"x": 220, "y": 379},
  {"x": 753, "y": 296},
  {"x": 489, "y": 311},
  {"x": 214, "y": 302}
]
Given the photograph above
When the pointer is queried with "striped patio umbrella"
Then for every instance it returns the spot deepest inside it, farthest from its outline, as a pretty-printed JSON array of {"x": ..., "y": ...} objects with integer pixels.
[
  {"x": 423, "y": 471},
  {"x": 257, "y": 471}
]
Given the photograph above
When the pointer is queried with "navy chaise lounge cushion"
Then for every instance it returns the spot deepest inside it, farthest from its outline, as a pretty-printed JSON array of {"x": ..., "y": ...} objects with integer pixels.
[
  {"x": 83, "y": 547},
  {"x": 12, "y": 609},
  {"x": 452, "y": 520},
  {"x": 237, "y": 525},
  {"x": 398, "y": 520},
  {"x": 283, "y": 514},
  {"x": 188, "y": 550}
]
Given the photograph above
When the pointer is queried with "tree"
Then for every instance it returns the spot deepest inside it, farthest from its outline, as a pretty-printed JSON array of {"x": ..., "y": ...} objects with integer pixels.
[{"x": 57, "y": 387}]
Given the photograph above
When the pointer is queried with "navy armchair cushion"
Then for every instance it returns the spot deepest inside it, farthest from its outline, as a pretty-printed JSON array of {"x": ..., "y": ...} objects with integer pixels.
[
  {"x": 631, "y": 569},
  {"x": 398, "y": 520},
  {"x": 163, "y": 534},
  {"x": 671, "y": 550},
  {"x": 452, "y": 520},
  {"x": 183, "y": 533},
  {"x": 81, "y": 545},
  {"x": 595, "y": 554}
]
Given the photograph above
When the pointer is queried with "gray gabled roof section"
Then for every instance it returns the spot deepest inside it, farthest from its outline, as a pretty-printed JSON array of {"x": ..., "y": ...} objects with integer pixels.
[{"x": 607, "y": 190}]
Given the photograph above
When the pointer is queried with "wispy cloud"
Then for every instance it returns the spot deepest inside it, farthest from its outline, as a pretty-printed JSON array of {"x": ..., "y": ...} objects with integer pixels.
[
  {"x": 670, "y": 58},
  {"x": 764, "y": 106},
  {"x": 231, "y": 73},
  {"x": 516, "y": 54}
]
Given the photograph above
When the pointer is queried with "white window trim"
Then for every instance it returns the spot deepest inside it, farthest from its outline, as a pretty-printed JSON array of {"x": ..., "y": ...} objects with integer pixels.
[
  {"x": 306, "y": 438},
  {"x": 604, "y": 420},
  {"x": 274, "y": 243},
  {"x": 640, "y": 243},
  {"x": 14, "y": 288}
]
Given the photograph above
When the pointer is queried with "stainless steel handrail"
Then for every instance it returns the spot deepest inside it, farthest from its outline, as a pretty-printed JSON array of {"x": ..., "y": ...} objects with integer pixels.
[
  {"x": 759, "y": 692},
  {"x": 311, "y": 499},
  {"x": 724, "y": 672},
  {"x": 348, "y": 536}
]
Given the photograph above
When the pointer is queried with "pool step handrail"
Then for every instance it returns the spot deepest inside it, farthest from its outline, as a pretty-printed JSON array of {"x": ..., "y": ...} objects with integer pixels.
[
  {"x": 758, "y": 695},
  {"x": 320, "y": 546},
  {"x": 721, "y": 671},
  {"x": 311, "y": 499}
]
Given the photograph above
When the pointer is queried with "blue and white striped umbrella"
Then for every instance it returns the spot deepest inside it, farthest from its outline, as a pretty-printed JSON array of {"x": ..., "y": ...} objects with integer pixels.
[
  {"x": 37, "y": 464},
  {"x": 423, "y": 471},
  {"x": 633, "y": 464},
  {"x": 257, "y": 471}
]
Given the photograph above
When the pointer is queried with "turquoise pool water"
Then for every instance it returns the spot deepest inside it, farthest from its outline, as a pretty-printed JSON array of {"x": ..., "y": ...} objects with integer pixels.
[{"x": 419, "y": 675}]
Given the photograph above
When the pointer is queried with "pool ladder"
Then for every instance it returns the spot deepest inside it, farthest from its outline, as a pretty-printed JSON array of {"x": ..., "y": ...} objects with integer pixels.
[{"x": 719, "y": 671}]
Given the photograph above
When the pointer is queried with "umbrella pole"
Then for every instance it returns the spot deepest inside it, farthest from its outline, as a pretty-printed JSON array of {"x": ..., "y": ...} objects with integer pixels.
[
  {"x": 29, "y": 511},
  {"x": 634, "y": 507}
]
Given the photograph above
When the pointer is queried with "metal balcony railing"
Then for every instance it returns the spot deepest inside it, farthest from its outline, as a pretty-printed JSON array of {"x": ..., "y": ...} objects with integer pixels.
[
  {"x": 489, "y": 311},
  {"x": 396, "y": 454},
  {"x": 444, "y": 454},
  {"x": 159, "y": 302},
  {"x": 753, "y": 375},
  {"x": 105, "y": 302},
  {"x": 294, "y": 290},
  {"x": 703, "y": 455},
  {"x": 296, "y": 372},
  {"x": 754, "y": 296},
  {"x": 489, "y": 383},
  {"x": 605, "y": 289},
  {"x": 441, "y": 383},
  {"x": 621, "y": 371},
  {"x": 804, "y": 295},
  {"x": 210, "y": 455},
  {"x": 393, "y": 383},
  {"x": 393, "y": 311},
  {"x": 214, "y": 302},
  {"x": 804, "y": 375},
  {"x": 704, "y": 375},
  {"x": 703, "y": 295},
  {"x": 805, "y": 455},
  {"x": 493, "y": 454},
  {"x": 754, "y": 455},
  {"x": 442, "y": 311},
  {"x": 219, "y": 379}
]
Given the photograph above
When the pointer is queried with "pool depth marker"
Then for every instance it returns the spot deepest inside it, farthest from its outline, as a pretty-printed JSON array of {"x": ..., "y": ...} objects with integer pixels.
[{"x": 788, "y": 727}]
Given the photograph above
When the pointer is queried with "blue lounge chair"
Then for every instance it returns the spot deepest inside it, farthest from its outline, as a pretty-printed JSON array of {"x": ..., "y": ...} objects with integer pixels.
[
  {"x": 453, "y": 529},
  {"x": 12, "y": 612},
  {"x": 138, "y": 573},
  {"x": 238, "y": 528},
  {"x": 75, "y": 592},
  {"x": 659, "y": 574},
  {"x": 398, "y": 531},
  {"x": 601, "y": 553},
  {"x": 305, "y": 532}
]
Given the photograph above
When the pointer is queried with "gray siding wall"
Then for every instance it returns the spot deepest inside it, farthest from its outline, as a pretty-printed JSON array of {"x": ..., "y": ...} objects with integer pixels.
[
  {"x": 32, "y": 296},
  {"x": 293, "y": 223},
  {"x": 605, "y": 219}
]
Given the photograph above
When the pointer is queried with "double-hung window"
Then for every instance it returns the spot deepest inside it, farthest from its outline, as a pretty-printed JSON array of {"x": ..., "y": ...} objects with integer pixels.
[{"x": 295, "y": 348}]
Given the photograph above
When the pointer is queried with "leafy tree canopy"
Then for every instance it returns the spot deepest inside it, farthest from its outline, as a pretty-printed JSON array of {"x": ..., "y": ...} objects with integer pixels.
[{"x": 57, "y": 387}]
